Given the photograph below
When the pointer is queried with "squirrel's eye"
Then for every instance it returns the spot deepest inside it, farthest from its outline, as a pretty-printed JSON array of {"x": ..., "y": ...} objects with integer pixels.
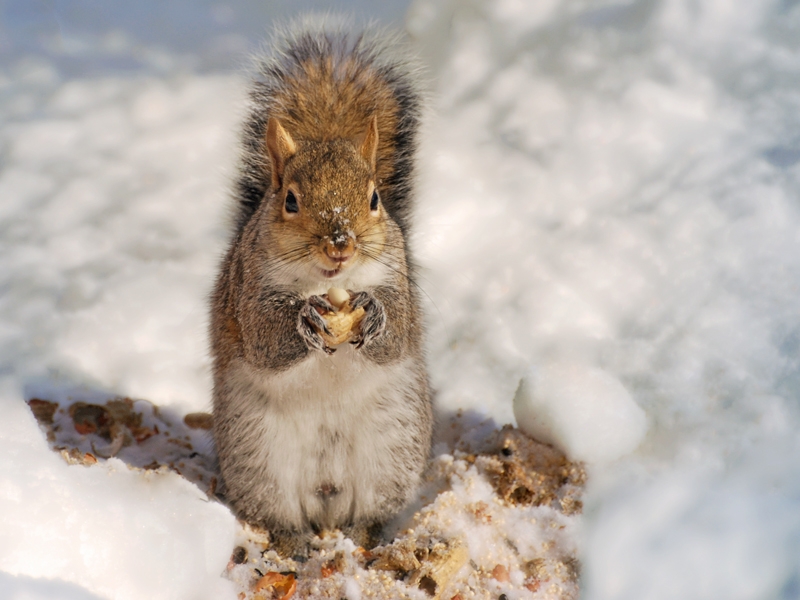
[
  {"x": 291, "y": 203},
  {"x": 373, "y": 203}
]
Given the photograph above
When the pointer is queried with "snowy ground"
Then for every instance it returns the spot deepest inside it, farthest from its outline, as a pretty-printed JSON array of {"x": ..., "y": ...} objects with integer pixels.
[{"x": 609, "y": 188}]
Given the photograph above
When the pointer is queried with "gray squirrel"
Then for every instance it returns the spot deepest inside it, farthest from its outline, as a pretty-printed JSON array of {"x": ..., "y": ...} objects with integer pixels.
[{"x": 313, "y": 436}]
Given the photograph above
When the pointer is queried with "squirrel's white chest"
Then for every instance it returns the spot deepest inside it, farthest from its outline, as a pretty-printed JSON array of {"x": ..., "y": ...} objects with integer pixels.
[{"x": 326, "y": 431}]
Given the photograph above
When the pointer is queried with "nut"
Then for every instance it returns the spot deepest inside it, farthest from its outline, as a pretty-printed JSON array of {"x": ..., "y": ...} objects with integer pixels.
[
  {"x": 338, "y": 296},
  {"x": 344, "y": 322}
]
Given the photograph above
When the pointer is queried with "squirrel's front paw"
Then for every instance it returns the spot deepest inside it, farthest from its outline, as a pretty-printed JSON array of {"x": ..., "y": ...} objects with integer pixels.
[
  {"x": 311, "y": 325},
  {"x": 373, "y": 323}
]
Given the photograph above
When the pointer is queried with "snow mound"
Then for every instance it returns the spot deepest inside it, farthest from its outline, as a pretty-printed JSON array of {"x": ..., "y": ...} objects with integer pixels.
[{"x": 585, "y": 412}]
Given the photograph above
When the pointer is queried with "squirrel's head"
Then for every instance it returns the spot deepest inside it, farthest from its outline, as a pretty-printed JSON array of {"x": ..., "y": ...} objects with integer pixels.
[{"x": 326, "y": 209}]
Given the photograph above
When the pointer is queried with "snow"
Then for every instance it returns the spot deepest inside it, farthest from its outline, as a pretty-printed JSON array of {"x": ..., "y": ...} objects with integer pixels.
[
  {"x": 583, "y": 411},
  {"x": 629, "y": 203},
  {"x": 107, "y": 530},
  {"x": 610, "y": 185}
]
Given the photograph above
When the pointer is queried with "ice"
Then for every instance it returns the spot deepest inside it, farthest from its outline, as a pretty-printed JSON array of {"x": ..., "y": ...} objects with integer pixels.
[{"x": 584, "y": 411}]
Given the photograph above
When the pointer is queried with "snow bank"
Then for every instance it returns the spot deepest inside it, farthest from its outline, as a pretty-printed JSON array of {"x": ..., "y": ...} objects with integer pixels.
[
  {"x": 615, "y": 185},
  {"x": 112, "y": 219},
  {"x": 117, "y": 532}
]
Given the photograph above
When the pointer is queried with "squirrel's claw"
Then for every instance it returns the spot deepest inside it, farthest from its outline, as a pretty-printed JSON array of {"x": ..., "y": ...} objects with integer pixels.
[
  {"x": 373, "y": 324},
  {"x": 311, "y": 313},
  {"x": 321, "y": 303},
  {"x": 359, "y": 299},
  {"x": 309, "y": 325}
]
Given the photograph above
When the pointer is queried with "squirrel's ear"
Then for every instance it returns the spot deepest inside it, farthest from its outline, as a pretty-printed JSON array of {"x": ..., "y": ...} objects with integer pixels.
[
  {"x": 281, "y": 147},
  {"x": 368, "y": 143}
]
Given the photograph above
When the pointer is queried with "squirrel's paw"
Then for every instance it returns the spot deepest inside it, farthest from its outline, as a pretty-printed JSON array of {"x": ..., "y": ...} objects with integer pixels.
[
  {"x": 373, "y": 324},
  {"x": 310, "y": 324}
]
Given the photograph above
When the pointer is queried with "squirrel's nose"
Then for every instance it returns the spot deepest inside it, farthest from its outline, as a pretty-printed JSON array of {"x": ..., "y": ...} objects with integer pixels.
[{"x": 340, "y": 247}]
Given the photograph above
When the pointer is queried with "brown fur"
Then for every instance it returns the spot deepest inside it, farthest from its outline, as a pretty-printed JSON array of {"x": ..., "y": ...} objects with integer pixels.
[
  {"x": 316, "y": 106},
  {"x": 324, "y": 84},
  {"x": 329, "y": 127}
]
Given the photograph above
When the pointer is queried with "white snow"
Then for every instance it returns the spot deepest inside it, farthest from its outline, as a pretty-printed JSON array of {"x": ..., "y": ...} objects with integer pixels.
[
  {"x": 611, "y": 185},
  {"x": 615, "y": 185},
  {"x": 583, "y": 411},
  {"x": 105, "y": 529}
]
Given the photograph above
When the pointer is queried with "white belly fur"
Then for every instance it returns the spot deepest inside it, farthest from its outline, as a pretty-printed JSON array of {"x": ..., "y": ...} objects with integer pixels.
[{"x": 328, "y": 420}]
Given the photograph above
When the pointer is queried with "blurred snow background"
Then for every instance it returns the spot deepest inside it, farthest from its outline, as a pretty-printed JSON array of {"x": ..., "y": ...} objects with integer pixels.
[{"x": 609, "y": 188}]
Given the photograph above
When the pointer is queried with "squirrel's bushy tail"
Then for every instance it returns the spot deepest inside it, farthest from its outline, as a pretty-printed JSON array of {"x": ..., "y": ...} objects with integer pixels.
[{"x": 324, "y": 81}]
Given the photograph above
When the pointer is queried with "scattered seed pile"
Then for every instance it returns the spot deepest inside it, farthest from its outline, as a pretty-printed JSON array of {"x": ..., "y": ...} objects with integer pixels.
[
  {"x": 135, "y": 431},
  {"x": 494, "y": 519}
]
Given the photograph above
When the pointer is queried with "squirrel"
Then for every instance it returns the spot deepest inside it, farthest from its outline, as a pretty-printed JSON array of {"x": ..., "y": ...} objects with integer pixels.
[{"x": 313, "y": 437}]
